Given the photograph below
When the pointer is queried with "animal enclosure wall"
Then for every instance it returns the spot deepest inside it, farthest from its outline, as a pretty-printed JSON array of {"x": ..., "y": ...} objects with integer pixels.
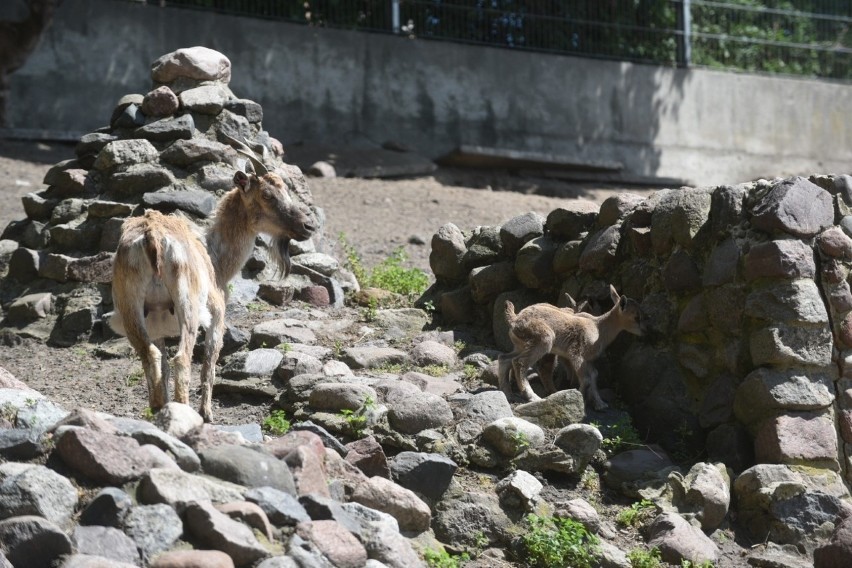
[
  {"x": 746, "y": 292},
  {"x": 331, "y": 85}
]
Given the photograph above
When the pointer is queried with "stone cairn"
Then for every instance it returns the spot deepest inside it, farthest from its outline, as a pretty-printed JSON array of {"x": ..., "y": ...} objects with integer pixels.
[
  {"x": 165, "y": 150},
  {"x": 746, "y": 289}
]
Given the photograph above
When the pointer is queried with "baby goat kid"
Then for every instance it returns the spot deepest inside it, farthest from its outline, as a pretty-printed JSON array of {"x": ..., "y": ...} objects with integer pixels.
[
  {"x": 168, "y": 280},
  {"x": 576, "y": 339}
]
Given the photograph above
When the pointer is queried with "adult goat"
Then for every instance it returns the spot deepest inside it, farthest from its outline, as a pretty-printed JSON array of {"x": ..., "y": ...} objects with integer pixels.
[{"x": 168, "y": 279}]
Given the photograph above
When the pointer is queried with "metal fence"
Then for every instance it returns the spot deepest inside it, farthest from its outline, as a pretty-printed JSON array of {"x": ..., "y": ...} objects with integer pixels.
[{"x": 800, "y": 37}]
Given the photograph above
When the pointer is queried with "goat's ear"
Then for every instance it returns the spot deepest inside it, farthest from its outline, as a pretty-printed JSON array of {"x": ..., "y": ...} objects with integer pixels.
[
  {"x": 613, "y": 294},
  {"x": 622, "y": 303},
  {"x": 568, "y": 301},
  {"x": 241, "y": 179}
]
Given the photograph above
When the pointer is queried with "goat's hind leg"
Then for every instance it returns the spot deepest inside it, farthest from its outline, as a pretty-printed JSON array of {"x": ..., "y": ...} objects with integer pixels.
[
  {"x": 521, "y": 364},
  {"x": 151, "y": 356},
  {"x": 212, "y": 346}
]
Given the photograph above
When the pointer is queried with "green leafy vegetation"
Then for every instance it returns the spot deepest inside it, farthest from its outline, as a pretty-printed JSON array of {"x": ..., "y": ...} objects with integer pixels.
[
  {"x": 276, "y": 423},
  {"x": 636, "y": 514},
  {"x": 558, "y": 542},
  {"x": 390, "y": 274},
  {"x": 357, "y": 419},
  {"x": 619, "y": 436},
  {"x": 443, "y": 559}
]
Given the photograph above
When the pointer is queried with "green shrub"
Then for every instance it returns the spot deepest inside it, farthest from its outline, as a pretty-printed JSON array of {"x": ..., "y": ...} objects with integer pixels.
[
  {"x": 636, "y": 514},
  {"x": 443, "y": 559},
  {"x": 388, "y": 275},
  {"x": 618, "y": 436},
  {"x": 559, "y": 542},
  {"x": 276, "y": 423}
]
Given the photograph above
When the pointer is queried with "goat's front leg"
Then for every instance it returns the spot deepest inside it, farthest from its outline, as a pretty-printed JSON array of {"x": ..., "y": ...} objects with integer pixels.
[
  {"x": 212, "y": 347},
  {"x": 589, "y": 383}
]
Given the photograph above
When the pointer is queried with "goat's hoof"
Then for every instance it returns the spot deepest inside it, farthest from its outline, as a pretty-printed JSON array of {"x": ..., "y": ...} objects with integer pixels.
[{"x": 600, "y": 406}]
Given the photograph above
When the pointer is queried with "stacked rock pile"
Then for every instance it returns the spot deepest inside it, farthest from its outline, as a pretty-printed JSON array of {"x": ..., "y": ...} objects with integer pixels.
[
  {"x": 166, "y": 150},
  {"x": 746, "y": 291}
]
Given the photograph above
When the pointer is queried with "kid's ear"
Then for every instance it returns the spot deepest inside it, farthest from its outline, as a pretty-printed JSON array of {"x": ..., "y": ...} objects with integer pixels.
[
  {"x": 241, "y": 179},
  {"x": 613, "y": 294},
  {"x": 622, "y": 303}
]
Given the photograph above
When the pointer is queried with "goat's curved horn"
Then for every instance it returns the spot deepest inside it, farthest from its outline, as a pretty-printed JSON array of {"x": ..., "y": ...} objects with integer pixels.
[
  {"x": 259, "y": 167},
  {"x": 244, "y": 149}
]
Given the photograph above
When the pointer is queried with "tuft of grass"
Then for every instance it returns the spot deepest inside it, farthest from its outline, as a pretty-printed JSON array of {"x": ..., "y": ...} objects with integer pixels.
[
  {"x": 470, "y": 372},
  {"x": 357, "y": 419},
  {"x": 390, "y": 274},
  {"x": 435, "y": 370},
  {"x": 285, "y": 347},
  {"x": 276, "y": 423},
  {"x": 641, "y": 558},
  {"x": 559, "y": 542},
  {"x": 636, "y": 514},
  {"x": 132, "y": 379},
  {"x": 147, "y": 414}
]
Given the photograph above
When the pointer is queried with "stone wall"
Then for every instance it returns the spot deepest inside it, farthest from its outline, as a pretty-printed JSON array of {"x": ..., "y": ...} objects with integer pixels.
[
  {"x": 319, "y": 84},
  {"x": 745, "y": 292},
  {"x": 170, "y": 148}
]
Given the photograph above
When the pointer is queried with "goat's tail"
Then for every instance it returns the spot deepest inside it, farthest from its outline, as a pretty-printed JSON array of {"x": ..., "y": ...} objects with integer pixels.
[
  {"x": 510, "y": 312},
  {"x": 153, "y": 250}
]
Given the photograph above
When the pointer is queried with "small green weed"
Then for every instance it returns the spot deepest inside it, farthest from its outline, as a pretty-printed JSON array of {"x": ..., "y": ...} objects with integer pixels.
[
  {"x": 338, "y": 349},
  {"x": 371, "y": 312},
  {"x": 276, "y": 423},
  {"x": 443, "y": 559},
  {"x": 435, "y": 370},
  {"x": 429, "y": 307},
  {"x": 636, "y": 514},
  {"x": 689, "y": 564},
  {"x": 285, "y": 347},
  {"x": 619, "y": 436},
  {"x": 470, "y": 372},
  {"x": 133, "y": 378},
  {"x": 522, "y": 441},
  {"x": 357, "y": 419},
  {"x": 459, "y": 346},
  {"x": 559, "y": 542},
  {"x": 641, "y": 558},
  {"x": 147, "y": 414},
  {"x": 255, "y": 307}
]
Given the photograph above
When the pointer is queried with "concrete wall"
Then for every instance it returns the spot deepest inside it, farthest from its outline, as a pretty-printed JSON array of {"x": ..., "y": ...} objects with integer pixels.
[{"x": 698, "y": 125}]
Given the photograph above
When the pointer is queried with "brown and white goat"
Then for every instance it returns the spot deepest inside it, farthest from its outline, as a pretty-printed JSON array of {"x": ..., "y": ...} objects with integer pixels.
[
  {"x": 168, "y": 279},
  {"x": 575, "y": 339}
]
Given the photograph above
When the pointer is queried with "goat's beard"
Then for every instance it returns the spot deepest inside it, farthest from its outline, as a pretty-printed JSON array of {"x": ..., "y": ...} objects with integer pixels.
[{"x": 280, "y": 252}]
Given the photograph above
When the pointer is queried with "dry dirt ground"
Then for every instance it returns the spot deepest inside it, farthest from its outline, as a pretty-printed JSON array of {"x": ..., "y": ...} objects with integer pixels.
[{"x": 376, "y": 217}]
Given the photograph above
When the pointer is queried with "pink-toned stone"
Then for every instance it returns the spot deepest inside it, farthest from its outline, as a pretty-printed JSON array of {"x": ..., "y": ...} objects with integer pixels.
[
  {"x": 384, "y": 495},
  {"x": 315, "y": 296},
  {"x": 796, "y": 438},
  {"x": 840, "y": 298},
  {"x": 207, "y": 437},
  {"x": 280, "y": 447},
  {"x": 103, "y": 458},
  {"x": 335, "y": 542},
  {"x": 198, "y": 63},
  {"x": 833, "y": 271},
  {"x": 87, "y": 419},
  {"x": 367, "y": 455},
  {"x": 9, "y": 381},
  {"x": 193, "y": 559},
  {"x": 837, "y": 553},
  {"x": 308, "y": 472},
  {"x": 160, "y": 102},
  {"x": 834, "y": 242},
  {"x": 344, "y": 473},
  {"x": 249, "y": 513},
  {"x": 217, "y": 530},
  {"x": 845, "y": 419},
  {"x": 786, "y": 258},
  {"x": 845, "y": 331}
]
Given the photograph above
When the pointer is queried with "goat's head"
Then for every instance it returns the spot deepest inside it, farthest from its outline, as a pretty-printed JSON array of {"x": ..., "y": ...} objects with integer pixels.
[
  {"x": 629, "y": 312},
  {"x": 275, "y": 213}
]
